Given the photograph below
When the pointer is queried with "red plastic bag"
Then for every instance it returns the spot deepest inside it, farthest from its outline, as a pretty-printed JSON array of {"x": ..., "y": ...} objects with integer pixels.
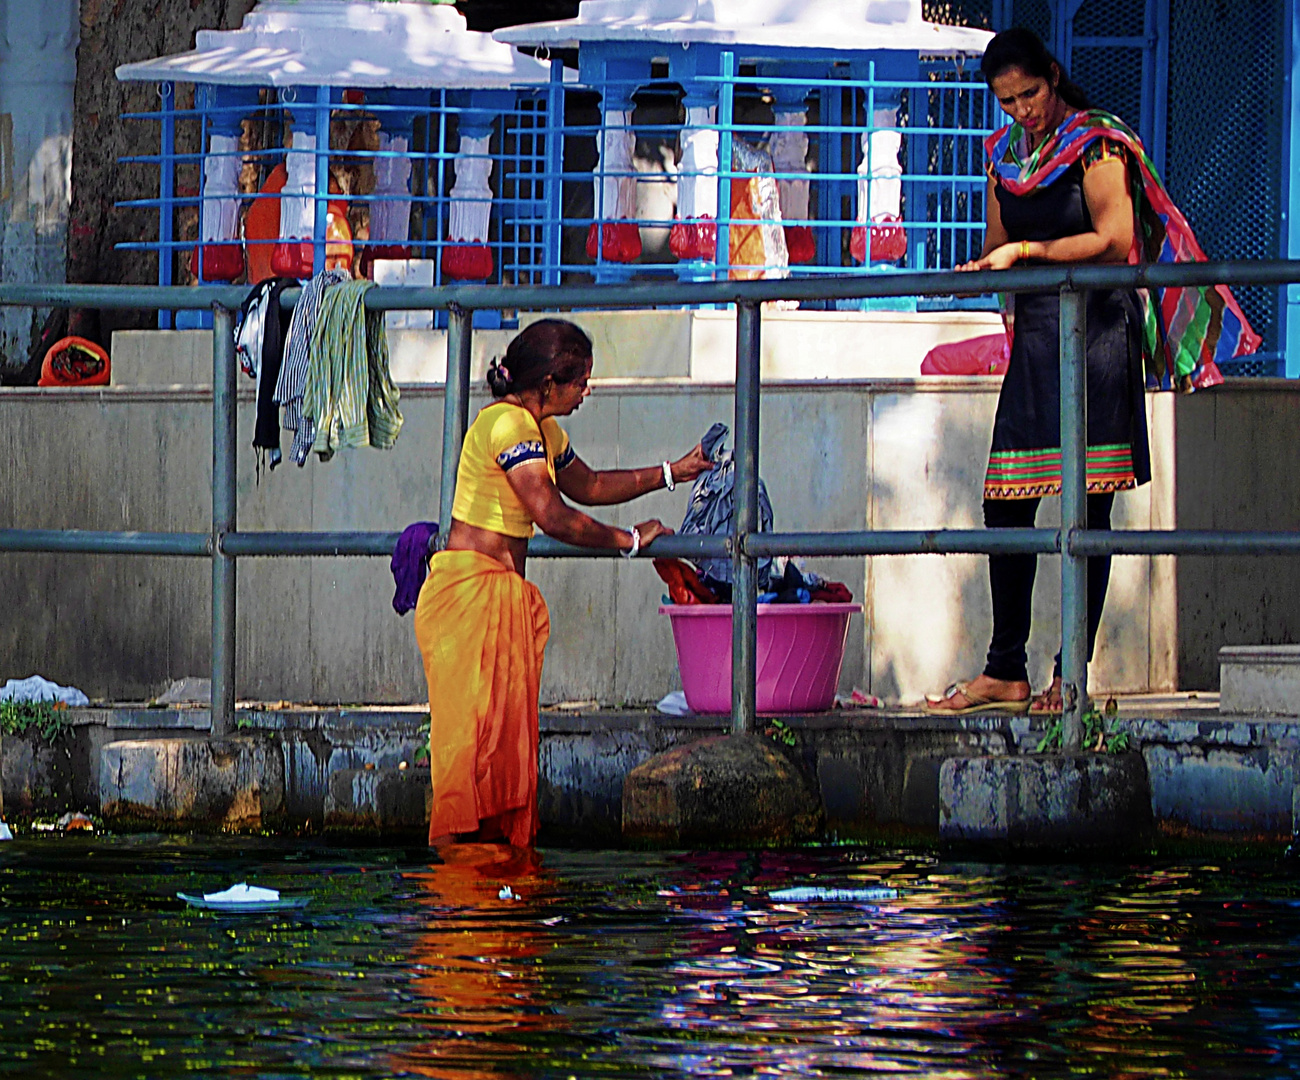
[
  {"x": 799, "y": 244},
  {"x": 619, "y": 241},
  {"x": 888, "y": 240},
  {"x": 467, "y": 262},
  {"x": 693, "y": 239},
  {"x": 986, "y": 355}
]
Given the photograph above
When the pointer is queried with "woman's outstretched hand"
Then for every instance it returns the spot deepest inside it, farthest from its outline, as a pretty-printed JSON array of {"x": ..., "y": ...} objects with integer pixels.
[
  {"x": 651, "y": 529},
  {"x": 690, "y": 466},
  {"x": 1002, "y": 257}
]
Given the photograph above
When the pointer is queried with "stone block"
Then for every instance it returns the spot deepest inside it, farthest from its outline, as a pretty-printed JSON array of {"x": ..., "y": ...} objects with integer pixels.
[
  {"x": 229, "y": 783},
  {"x": 731, "y": 789},
  {"x": 1259, "y": 680},
  {"x": 379, "y": 800},
  {"x": 1045, "y": 803}
]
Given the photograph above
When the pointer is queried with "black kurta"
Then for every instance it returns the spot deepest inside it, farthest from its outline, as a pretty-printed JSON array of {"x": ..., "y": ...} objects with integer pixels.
[{"x": 1025, "y": 460}]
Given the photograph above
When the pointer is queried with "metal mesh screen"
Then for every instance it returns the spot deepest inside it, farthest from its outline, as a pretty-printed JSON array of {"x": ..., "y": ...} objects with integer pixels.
[
  {"x": 1110, "y": 18},
  {"x": 1111, "y": 76},
  {"x": 1224, "y": 151},
  {"x": 1035, "y": 15},
  {"x": 976, "y": 13}
]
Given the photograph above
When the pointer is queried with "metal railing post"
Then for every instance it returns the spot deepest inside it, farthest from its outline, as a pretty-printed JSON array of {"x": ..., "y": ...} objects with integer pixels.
[
  {"x": 224, "y": 519},
  {"x": 1074, "y": 515},
  {"x": 455, "y": 408},
  {"x": 744, "y": 585}
]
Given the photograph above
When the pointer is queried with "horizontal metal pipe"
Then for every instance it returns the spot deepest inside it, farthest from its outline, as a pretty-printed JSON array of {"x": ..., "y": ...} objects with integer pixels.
[
  {"x": 382, "y": 543},
  {"x": 907, "y": 542},
  {"x": 309, "y": 543},
  {"x": 124, "y": 297},
  {"x": 672, "y": 294},
  {"x": 668, "y": 547},
  {"x": 1184, "y": 542},
  {"x": 760, "y": 545},
  {"x": 86, "y": 542}
]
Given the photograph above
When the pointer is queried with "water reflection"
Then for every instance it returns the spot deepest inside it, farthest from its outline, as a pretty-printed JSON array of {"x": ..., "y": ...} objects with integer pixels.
[
  {"x": 619, "y": 964},
  {"x": 475, "y": 961}
]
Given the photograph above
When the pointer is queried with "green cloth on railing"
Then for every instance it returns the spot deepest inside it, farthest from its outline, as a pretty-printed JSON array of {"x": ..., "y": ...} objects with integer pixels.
[{"x": 350, "y": 392}]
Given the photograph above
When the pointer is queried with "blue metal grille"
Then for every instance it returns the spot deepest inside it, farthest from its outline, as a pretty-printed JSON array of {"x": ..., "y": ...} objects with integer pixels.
[
  {"x": 1110, "y": 18},
  {"x": 1111, "y": 76},
  {"x": 516, "y": 123},
  {"x": 1224, "y": 159}
]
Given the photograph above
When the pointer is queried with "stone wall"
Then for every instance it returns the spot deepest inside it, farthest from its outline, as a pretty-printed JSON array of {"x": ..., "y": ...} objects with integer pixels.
[{"x": 836, "y": 455}]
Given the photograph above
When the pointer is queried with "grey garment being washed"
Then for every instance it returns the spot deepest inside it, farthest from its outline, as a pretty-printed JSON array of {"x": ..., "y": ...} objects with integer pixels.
[
  {"x": 712, "y": 506},
  {"x": 292, "y": 382}
]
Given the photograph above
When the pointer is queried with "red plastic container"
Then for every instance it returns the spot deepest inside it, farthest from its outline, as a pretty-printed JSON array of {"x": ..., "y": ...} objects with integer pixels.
[{"x": 800, "y": 653}]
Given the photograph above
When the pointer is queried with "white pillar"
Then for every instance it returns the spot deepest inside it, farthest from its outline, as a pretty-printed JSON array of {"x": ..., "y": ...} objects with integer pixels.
[
  {"x": 471, "y": 195},
  {"x": 697, "y": 173},
  {"x": 880, "y": 176},
  {"x": 38, "y": 71},
  {"x": 789, "y": 147},
  {"x": 220, "y": 218},
  {"x": 616, "y": 195},
  {"x": 390, "y": 220},
  {"x": 880, "y": 187},
  {"x": 297, "y": 199}
]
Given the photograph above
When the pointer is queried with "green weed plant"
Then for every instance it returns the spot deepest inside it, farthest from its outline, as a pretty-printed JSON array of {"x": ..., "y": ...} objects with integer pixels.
[
  {"x": 45, "y": 718},
  {"x": 1098, "y": 737}
]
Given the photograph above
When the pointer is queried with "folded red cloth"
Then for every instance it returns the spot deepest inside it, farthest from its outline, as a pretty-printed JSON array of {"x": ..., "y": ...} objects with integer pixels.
[
  {"x": 684, "y": 584},
  {"x": 832, "y": 592}
]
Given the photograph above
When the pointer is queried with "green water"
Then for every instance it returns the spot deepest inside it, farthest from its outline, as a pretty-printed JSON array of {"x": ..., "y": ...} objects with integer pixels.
[{"x": 614, "y": 964}]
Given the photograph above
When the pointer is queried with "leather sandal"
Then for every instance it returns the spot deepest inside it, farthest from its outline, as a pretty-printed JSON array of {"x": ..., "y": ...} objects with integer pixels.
[
  {"x": 976, "y": 704},
  {"x": 1043, "y": 705}
]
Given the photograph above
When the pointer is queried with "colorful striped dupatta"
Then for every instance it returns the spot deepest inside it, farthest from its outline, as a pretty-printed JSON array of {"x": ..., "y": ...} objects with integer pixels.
[{"x": 1191, "y": 329}]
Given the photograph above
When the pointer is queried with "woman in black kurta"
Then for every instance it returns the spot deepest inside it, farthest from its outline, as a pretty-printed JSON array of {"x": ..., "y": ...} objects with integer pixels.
[{"x": 1084, "y": 214}]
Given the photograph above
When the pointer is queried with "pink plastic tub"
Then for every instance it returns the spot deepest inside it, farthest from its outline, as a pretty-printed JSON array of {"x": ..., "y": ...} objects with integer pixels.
[{"x": 800, "y": 652}]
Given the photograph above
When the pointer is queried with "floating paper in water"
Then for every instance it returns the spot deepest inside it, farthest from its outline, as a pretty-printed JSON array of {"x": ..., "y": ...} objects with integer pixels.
[
  {"x": 813, "y": 892},
  {"x": 243, "y": 893},
  {"x": 245, "y": 898}
]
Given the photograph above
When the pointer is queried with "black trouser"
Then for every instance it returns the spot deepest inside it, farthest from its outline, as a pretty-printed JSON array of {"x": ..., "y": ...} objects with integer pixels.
[{"x": 1012, "y": 580}]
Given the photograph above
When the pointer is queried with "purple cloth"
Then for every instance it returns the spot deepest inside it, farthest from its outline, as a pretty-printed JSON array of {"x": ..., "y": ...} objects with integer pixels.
[{"x": 410, "y": 564}]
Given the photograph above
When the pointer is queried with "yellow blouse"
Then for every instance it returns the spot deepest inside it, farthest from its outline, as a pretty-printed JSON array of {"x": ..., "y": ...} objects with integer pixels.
[{"x": 502, "y": 437}]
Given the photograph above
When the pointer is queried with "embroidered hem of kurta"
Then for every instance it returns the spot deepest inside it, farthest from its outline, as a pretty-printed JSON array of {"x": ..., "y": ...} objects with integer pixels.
[{"x": 1028, "y": 474}]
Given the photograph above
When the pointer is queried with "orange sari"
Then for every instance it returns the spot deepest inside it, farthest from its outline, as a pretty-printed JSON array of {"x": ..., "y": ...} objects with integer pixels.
[{"x": 482, "y": 631}]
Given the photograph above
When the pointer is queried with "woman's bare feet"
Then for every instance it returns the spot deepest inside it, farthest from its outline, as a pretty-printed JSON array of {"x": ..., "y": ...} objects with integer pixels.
[
  {"x": 982, "y": 694},
  {"x": 1048, "y": 703}
]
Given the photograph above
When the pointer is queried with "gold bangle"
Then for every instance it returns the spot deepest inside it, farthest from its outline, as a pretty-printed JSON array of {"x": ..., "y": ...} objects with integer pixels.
[{"x": 1024, "y": 250}]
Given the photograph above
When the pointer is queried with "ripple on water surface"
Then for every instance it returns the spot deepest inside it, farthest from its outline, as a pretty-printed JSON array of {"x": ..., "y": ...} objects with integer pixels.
[{"x": 607, "y": 964}]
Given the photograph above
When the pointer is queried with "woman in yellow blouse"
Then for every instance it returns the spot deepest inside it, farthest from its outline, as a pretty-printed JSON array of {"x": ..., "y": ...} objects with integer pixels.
[{"x": 481, "y": 627}]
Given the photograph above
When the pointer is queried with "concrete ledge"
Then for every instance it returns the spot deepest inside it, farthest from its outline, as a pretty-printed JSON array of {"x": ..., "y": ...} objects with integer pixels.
[
  {"x": 388, "y": 801},
  {"x": 1257, "y": 679},
  {"x": 734, "y": 789},
  {"x": 1045, "y": 802},
  {"x": 234, "y": 783}
]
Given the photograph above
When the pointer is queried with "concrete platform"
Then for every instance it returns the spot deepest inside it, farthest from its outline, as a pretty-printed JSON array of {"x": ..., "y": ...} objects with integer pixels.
[
  {"x": 1045, "y": 803},
  {"x": 876, "y": 771},
  {"x": 1260, "y": 679}
]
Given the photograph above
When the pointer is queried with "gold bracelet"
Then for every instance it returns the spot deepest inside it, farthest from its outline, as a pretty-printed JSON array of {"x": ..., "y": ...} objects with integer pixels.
[{"x": 1024, "y": 250}]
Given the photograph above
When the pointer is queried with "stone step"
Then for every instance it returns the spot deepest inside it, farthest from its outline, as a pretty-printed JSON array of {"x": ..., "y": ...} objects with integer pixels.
[
  {"x": 384, "y": 800},
  {"x": 1259, "y": 680}
]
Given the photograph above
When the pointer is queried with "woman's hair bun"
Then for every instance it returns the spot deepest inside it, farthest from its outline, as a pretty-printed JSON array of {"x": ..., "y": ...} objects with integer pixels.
[{"x": 498, "y": 379}]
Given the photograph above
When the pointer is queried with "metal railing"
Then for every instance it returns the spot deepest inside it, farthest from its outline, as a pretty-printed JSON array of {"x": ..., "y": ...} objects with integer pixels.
[{"x": 224, "y": 544}]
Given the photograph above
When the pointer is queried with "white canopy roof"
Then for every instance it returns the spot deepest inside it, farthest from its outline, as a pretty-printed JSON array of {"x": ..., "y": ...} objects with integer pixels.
[
  {"x": 351, "y": 43},
  {"x": 843, "y": 25}
]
